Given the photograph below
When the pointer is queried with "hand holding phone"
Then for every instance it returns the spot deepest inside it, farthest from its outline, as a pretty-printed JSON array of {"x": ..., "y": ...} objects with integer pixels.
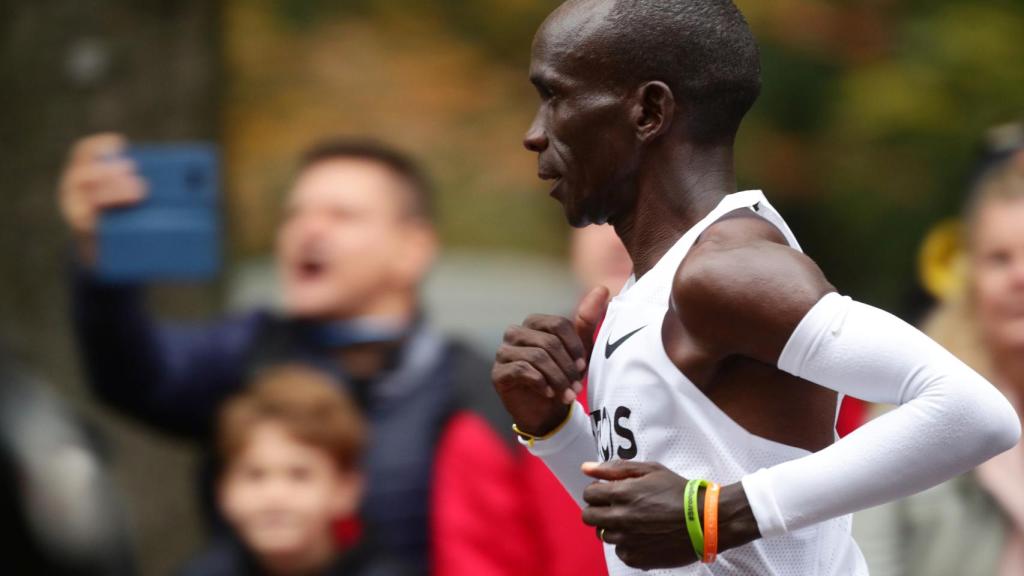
[
  {"x": 144, "y": 212},
  {"x": 97, "y": 177}
]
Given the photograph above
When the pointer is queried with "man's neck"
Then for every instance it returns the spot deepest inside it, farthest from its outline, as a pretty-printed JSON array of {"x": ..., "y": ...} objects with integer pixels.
[
  {"x": 386, "y": 308},
  {"x": 676, "y": 187},
  {"x": 365, "y": 360}
]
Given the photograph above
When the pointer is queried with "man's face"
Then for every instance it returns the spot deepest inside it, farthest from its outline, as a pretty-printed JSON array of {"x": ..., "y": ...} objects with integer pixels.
[
  {"x": 282, "y": 496},
  {"x": 347, "y": 247},
  {"x": 582, "y": 132}
]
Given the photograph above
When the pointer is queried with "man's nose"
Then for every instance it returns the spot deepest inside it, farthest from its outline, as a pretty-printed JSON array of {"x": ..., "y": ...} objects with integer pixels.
[
  {"x": 535, "y": 140},
  {"x": 313, "y": 225}
]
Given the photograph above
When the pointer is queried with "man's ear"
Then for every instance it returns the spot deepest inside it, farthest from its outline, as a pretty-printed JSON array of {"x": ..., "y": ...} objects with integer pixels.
[{"x": 655, "y": 110}]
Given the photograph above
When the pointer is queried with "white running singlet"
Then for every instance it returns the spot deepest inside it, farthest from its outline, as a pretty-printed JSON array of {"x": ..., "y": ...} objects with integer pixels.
[{"x": 643, "y": 408}]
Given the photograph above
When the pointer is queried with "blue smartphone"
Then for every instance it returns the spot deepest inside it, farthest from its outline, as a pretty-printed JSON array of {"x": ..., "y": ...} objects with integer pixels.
[{"x": 174, "y": 233}]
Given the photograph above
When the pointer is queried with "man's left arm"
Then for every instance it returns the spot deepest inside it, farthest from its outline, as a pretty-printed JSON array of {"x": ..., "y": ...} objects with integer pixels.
[{"x": 768, "y": 302}]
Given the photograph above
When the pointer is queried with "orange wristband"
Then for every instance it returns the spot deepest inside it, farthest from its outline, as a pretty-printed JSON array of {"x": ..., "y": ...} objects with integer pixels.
[{"x": 711, "y": 522}]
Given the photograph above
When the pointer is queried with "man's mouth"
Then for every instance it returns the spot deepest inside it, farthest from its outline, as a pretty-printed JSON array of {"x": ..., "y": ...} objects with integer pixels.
[
  {"x": 310, "y": 269},
  {"x": 555, "y": 180}
]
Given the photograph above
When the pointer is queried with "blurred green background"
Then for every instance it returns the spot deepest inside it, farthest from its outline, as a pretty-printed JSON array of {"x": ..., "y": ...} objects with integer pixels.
[{"x": 864, "y": 137}]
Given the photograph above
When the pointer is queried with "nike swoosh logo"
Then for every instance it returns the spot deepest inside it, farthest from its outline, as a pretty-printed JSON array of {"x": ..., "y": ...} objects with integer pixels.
[{"x": 610, "y": 347}]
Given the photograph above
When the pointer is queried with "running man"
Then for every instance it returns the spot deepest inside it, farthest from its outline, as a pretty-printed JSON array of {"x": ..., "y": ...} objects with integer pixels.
[{"x": 725, "y": 357}]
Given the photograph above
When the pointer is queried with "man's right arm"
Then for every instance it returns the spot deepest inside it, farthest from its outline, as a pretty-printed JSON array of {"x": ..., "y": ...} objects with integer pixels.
[
  {"x": 538, "y": 371},
  {"x": 167, "y": 376}
]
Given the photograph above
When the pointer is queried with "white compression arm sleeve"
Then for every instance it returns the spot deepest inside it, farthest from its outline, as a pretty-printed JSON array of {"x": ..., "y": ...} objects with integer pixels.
[
  {"x": 566, "y": 451},
  {"x": 949, "y": 418}
]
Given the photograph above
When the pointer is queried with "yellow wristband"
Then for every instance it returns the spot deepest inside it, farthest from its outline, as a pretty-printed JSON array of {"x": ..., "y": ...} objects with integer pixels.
[{"x": 530, "y": 438}]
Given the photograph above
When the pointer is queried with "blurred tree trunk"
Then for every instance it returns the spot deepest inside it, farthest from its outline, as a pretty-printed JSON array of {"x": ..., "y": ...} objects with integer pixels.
[{"x": 150, "y": 69}]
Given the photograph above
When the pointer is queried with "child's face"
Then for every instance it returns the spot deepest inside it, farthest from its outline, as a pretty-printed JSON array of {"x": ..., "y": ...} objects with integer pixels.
[{"x": 281, "y": 495}]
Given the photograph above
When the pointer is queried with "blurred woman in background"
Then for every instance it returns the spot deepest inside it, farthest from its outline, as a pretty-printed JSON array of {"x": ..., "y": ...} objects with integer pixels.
[{"x": 973, "y": 524}]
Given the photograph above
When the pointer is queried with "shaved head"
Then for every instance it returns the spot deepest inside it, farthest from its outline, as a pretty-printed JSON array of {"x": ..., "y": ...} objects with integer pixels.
[
  {"x": 634, "y": 86},
  {"x": 702, "y": 49}
]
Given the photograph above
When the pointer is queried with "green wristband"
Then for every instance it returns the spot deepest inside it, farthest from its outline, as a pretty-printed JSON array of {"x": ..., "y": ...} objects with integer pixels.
[{"x": 692, "y": 513}]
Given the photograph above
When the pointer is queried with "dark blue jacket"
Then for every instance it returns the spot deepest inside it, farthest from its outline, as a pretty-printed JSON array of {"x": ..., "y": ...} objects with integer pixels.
[{"x": 175, "y": 378}]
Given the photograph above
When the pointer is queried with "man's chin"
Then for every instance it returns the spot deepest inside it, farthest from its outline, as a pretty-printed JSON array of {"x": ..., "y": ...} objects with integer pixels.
[
  {"x": 573, "y": 215},
  {"x": 578, "y": 214},
  {"x": 578, "y": 221},
  {"x": 310, "y": 307},
  {"x": 579, "y": 218}
]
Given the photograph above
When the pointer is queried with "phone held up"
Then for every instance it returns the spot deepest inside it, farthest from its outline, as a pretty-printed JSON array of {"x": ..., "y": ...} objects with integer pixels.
[{"x": 174, "y": 232}]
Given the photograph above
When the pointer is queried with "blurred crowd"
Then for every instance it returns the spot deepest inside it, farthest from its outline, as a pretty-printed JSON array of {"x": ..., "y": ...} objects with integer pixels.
[
  {"x": 344, "y": 433},
  {"x": 980, "y": 318}
]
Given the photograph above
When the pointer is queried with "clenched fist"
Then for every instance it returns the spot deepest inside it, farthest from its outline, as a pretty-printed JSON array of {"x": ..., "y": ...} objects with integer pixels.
[{"x": 540, "y": 366}]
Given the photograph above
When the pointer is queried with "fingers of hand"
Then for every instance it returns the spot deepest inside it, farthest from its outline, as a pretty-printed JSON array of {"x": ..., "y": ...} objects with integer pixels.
[
  {"x": 547, "y": 354},
  {"x": 90, "y": 187},
  {"x": 611, "y": 505},
  {"x": 520, "y": 374},
  {"x": 113, "y": 183},
  {"x": 97, "y": 147},
  {"x": 550, "y": 342},
  {"x": 606, "y": 517},
  {"x": 541, "y": 361},
  {"x": 602, "y": 493},
  {"x": 589, "y": 313},
  {"x": 615, "y": 537},
  {"x": 646, "y": 552},
  {"x": 563, "y": 330},
  {"x": 624, "y": 518},
  {"x": 619, "y": 469}
]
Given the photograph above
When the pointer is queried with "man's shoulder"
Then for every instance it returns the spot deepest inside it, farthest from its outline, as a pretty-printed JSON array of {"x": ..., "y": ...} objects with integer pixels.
[
  {"x": 742, "y": 277},
  {"x": 720, "y": 249},
  {"x": 735, "y": 260},
  {"x": 740, "y": 228}
]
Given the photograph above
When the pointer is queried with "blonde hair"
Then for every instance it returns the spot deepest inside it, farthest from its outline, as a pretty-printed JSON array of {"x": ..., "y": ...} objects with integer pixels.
[
  {"x": 307, "y": 402},
  {"x": 954, "y": 323}
]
